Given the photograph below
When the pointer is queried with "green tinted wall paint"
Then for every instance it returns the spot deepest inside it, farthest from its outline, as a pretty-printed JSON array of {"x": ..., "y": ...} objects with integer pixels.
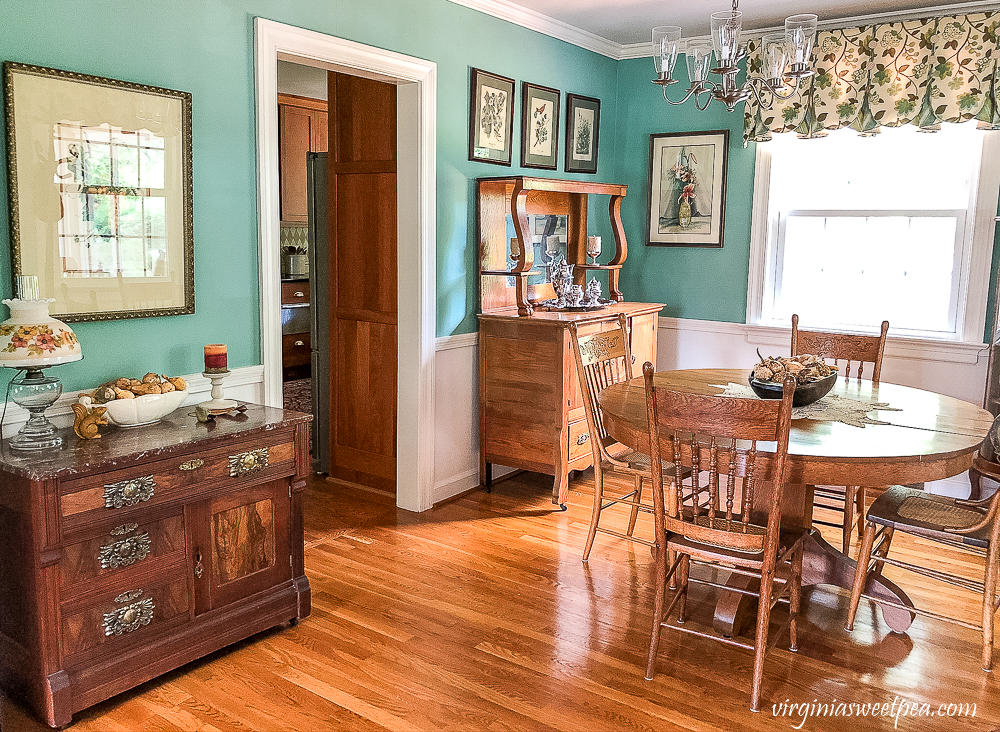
[
  {"x": 206, "y": 47},
  {"x": 692, "y": 282}
]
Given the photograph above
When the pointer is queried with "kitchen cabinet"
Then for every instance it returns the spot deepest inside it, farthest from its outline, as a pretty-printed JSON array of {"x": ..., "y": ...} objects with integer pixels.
[
  {"x": 128, "y": 556},
  {"x": 302, "y": 128}
]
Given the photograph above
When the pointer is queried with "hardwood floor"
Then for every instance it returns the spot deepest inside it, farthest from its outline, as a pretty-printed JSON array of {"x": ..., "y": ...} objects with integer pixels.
[{"x": 479, "y": 615}]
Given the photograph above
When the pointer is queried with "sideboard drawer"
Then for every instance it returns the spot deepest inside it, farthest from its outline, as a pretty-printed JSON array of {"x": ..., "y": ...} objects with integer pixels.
[
  {"x": 124, "y": 617},
  {"x": 158, "y": 482},
  {"x": 579, "y": 440},
  {"x": 121, "y": 546}
]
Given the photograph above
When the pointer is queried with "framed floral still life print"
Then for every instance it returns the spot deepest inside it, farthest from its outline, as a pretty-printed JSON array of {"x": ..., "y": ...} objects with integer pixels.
[
  {"x": 687, "y": 188},
  {"x": 99, "y": 175},
  {"x": 539, "y": 127},
  {"x": 583, "y": 126},
  {"x": 491, "y": 117}
]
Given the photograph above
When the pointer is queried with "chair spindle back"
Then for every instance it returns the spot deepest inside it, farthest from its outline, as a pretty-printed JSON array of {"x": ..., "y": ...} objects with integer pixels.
[
  {"x": 717, "y": 438},
  {"x": 844, "y": 349},
  {"x": 602, "y": 359}
]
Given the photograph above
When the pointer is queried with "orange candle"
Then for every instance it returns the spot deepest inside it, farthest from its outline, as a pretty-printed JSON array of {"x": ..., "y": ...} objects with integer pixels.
[{"x": 215, "y": 358}]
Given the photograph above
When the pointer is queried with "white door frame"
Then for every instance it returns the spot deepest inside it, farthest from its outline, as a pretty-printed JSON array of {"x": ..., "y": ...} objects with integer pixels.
[{"x": 416, "y": 239}]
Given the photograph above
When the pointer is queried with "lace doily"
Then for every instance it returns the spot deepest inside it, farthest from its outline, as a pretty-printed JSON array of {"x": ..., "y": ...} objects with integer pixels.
[{"x": 830, "y": 408}]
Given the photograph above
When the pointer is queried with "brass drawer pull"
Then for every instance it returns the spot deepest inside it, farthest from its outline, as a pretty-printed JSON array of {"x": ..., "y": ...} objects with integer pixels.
[
  {"x": 247, "y": 462},
  {"x": 300, "y": 343},
  {"x": 583, "y": 438},
  {"x": 131, "y": 617},
  {"x": 128, "y": 492},
  {"x": 300, "y": 294},
  {"x": 199, "y": 568},
  {"x": 125, "y": 552},
  {"x": 192, "y": 464}
]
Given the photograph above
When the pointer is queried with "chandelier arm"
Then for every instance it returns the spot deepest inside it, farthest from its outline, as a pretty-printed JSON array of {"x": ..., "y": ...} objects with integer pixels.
[
  {"x": 694, "y": 89},
  {"x": 699, "y": 106}
]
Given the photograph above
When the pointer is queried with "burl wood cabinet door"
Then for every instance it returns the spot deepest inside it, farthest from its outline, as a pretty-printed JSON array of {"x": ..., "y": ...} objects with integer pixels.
[{"x": 236, "y": 544}]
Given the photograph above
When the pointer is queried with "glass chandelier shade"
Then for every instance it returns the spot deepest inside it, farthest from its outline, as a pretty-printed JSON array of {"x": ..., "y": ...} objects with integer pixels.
[
  {"x": 32, "y": 340},
  {"x": 786, "y": 56}
]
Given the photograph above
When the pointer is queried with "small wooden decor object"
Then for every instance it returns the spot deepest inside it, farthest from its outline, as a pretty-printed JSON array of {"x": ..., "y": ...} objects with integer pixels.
[{"x": 85, "y": 421}]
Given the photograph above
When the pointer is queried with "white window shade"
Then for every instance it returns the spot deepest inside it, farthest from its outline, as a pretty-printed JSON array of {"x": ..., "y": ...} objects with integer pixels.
[{"x": 850, "y": 231}]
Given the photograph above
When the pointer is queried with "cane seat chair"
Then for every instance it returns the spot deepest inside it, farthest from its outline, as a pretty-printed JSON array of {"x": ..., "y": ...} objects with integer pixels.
[
  {"x": 968, "y": 524},
  {"x": 603, "y": 359},
  {"x": 721, "y": 512},
  {"x": 853, "y": 355}
]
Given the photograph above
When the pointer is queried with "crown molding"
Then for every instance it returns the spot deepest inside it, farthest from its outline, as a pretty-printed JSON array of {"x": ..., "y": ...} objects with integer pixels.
[{"x": 533, "y": 20}]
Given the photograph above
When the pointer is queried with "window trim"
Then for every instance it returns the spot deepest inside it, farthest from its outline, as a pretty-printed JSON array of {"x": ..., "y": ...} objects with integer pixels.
[{"x": 975, "y": 272}]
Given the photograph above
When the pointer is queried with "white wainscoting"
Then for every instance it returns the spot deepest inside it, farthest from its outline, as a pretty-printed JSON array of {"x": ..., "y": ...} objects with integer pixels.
[
  {"x": 246, "y": 384},
  {"x": 958, "y": 370}
]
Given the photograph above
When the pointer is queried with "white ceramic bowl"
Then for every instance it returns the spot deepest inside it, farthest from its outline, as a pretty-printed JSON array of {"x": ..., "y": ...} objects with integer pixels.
[{"x": 142, "y": 410}]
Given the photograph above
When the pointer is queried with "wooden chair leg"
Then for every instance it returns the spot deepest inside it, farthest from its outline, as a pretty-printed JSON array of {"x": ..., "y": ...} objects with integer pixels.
[
  {"x": 859, "y": 509},
  {"x": 795, "y": 600},
  {"x": 850, "y": 492},
  {"x": 861, "y": 574},
  {"x": 660, "y": 580},
  {"x": 760, "y": 636},
  {"x": 637, "y": 499},
  {"x": 989, "y": 602},
  {"x": 595, "y": 517},
  {"x": 682, "y": 587}
]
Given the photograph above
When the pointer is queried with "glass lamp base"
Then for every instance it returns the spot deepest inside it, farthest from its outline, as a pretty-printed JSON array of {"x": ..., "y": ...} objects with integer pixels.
[
  {"x": 35, "y": 392},
  {"x": 37, "y": 434}
]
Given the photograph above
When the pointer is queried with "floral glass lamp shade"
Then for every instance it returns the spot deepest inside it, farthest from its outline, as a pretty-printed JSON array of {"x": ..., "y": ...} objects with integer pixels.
[{"x": 32, "y": 340}]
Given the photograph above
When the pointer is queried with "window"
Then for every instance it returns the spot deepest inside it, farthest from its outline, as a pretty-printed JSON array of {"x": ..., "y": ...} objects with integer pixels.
[
  {"x": 851, "y": 231},
  {"x": 111, "y": 188}
]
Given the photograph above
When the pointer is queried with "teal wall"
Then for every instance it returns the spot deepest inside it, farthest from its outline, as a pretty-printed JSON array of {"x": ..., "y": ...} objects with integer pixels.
[
  {"x": 206, "y": 47},
  {"x": 692, "y": 282}
]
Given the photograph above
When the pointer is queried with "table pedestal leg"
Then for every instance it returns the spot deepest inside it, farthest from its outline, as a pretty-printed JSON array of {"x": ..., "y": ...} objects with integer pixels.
[{"x": 822, "y": 564}]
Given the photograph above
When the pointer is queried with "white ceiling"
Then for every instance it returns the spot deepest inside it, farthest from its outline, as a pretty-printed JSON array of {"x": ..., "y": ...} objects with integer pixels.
[{"x": 626, "y": 22}]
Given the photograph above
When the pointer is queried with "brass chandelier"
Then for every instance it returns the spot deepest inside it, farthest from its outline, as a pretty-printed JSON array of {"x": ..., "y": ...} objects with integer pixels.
[{"x": 785, "y": 60}]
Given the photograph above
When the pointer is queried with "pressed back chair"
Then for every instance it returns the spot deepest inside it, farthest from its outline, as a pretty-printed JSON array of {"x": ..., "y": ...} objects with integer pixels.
[
  {"x": 603, "y": 359},
  {"x": 973, "y": 525},
  {"x": 724, "y": 510},
  {"x": 855, "y": 355}
]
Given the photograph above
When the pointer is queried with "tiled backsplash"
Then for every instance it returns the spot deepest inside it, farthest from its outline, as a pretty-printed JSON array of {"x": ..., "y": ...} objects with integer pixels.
[{"x": 295, "y": 236}]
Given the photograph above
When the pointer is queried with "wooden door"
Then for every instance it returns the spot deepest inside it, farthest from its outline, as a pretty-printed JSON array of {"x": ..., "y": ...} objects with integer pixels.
[{"x": 362, "y": 301}]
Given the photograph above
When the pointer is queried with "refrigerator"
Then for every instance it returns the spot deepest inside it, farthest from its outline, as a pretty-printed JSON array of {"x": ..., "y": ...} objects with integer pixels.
[{"x": 319, "y": 297}]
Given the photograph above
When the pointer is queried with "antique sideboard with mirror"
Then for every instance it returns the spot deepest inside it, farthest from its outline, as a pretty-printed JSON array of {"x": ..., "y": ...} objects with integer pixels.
[
  {"x": 127, "y": 556},
  {"x": 531, "y": 413}
]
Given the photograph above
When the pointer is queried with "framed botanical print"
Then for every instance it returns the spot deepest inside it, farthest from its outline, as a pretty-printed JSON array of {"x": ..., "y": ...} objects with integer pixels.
[
  {"x": 491, "y": 117},
  {"x": 539, "y": 127},
  {"x": 583, "y": 126},
  {"x": 687, "y": 188},
  {"x": 99, "y": 174}
]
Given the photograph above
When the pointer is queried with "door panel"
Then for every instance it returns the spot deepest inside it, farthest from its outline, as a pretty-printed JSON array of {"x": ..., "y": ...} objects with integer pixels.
[{"x": 362, "y": 305}]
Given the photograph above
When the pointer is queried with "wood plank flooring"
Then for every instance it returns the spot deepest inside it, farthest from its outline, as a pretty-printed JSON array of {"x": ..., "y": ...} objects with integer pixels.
[{"x": 479, "y": 615}]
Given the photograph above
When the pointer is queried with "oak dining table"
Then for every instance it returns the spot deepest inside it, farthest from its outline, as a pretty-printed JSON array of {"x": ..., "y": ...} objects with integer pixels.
[{"x": 907, "y": 436}]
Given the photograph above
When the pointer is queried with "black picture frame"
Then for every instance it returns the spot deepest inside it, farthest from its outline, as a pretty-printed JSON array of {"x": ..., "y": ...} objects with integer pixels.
[
  {"x": 491, "y": 117},
  {"x": 539, "y": 126},
  {"x": 689, "y": 166},
  {"x": 583, "y": 127}
]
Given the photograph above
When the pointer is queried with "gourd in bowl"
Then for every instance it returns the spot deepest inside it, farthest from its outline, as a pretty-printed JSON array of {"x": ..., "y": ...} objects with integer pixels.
[
  {"x": 137, "y": 402},
  {"x": 813, "y": 378}
]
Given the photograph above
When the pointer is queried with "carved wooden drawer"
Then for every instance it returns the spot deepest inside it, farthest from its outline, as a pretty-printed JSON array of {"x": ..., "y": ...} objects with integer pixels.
[
  {"x": 123, "y": 617},
  {"x": 153, "y": 484},
  {"x": 120, "y": 546},
  {"x": 579, "y": 440}
]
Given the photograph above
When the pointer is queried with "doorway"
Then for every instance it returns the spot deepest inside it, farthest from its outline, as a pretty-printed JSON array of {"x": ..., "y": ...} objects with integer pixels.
[{"x": 416, "y": 82}]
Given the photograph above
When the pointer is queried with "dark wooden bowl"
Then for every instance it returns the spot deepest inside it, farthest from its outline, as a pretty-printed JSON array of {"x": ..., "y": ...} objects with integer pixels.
[{"x": 804, "y": 393}]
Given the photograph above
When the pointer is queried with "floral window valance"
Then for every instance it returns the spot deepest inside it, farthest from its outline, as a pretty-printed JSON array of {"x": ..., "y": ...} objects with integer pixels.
[{"x": 919, "y": 72}]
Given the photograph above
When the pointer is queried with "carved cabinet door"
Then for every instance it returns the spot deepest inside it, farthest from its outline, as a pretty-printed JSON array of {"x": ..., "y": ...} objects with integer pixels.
[{"x": 236, "y": 544}]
